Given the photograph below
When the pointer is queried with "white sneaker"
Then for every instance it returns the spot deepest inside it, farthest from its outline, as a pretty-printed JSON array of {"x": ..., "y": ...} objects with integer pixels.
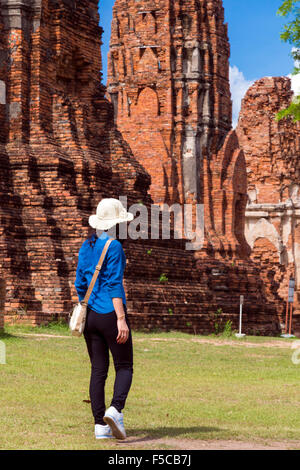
[
  {"x": 103, "y": 431},
  {"x": 115, "y": 420}
]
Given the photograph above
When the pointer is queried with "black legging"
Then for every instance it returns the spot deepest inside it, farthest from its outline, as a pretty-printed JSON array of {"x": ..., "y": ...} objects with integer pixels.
[{"x": 100, "y": 334}]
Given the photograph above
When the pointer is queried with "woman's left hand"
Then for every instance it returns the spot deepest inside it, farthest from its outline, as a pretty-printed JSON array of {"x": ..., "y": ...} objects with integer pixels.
[{"x": 123, "y": 331}]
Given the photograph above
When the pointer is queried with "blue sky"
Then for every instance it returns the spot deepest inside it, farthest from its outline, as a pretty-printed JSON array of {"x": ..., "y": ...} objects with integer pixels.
[{"x": 256, "y": 48}]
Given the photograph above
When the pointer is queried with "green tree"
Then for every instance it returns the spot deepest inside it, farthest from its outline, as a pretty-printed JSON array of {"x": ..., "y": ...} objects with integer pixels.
[{"x": 291, "y": 34}]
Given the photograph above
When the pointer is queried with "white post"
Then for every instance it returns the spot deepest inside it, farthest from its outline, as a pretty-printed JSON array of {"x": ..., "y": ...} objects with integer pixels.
[
  {"x": 289, "y": 306},
  {"x": 240, "y": 334},
  {"x": 241, "y": 314},
  {"x": 2, "y": 353}
]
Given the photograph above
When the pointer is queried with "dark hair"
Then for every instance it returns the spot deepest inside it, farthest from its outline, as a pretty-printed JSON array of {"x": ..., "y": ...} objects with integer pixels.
[{"x": 92, "y": 240}]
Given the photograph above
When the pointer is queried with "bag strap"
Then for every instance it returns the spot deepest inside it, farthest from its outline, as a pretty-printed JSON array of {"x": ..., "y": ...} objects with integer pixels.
[{"x": 96, "y": 273}]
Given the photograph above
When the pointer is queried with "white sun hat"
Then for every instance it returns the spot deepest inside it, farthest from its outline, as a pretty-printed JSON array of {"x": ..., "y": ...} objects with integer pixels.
[{"x": 109, "y": 213}]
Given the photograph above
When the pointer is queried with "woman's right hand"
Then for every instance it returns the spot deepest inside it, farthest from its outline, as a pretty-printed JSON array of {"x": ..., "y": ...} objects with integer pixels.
[{"x": 123, "y": 331}]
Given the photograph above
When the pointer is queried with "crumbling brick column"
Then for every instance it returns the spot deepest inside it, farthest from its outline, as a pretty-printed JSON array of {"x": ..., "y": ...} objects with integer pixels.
[
  {"x": 168, "y": 78},
  {"x": 272, "y": 152}
]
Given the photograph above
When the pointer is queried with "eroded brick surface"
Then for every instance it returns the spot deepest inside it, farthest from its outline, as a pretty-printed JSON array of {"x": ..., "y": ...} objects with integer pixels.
[
  {"x": 272, "y": 152},
  {"x": 61, "y": 152},
  {"x": 168, "y": 79}
]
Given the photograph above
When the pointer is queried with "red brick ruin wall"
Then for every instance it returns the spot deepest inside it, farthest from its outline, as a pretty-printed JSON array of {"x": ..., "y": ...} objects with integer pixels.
[
  {"x": 60, "y": 153},
  {"x": 271, "y": 148},
  {"x": 64, "y": 146},
  {"x": 272, "y": 151},
  {"x": 168, "y": 77}
]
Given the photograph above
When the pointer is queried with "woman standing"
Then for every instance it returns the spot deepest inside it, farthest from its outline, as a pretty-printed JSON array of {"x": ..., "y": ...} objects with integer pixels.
[{"x": 107, "y": 324}]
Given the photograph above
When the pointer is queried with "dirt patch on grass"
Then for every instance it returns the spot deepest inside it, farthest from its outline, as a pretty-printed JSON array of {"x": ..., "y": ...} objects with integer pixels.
[
  {"x": 222, "y": 342},
  {"x": 197, "y": 444},
  {"x": 41, "y": 335},
  {"x": 214, "y": 342}
]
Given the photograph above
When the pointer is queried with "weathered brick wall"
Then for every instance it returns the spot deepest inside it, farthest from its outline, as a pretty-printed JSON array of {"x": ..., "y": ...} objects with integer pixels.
[
  {"x": 62, "y": 153},
  {"x": 3, "y": 68},
  {"x": 271, "y": 147},
  {"x": 2, "y": 302},
  {"x": 272, "y": 151},
  {"x": 201, "y": 294},
  {"x": 61, "y": 156},
  {"x": 225, "y": 199},
  {"x": 168, "y": 77},
  {"x": 3, "y": 65}
]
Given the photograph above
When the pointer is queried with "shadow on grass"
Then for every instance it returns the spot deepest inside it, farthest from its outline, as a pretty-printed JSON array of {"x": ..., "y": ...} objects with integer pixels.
[
  {"x": 159, "y": 433},
  {"x": 5, "y": 335}
]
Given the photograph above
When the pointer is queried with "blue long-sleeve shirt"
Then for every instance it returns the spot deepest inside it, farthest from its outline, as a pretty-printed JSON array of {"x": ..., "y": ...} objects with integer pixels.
[{"x": 109, "y": 283}]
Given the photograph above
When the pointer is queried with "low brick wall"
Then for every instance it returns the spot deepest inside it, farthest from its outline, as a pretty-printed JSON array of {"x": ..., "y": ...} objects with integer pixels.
[{"x": 2, "y": 303}]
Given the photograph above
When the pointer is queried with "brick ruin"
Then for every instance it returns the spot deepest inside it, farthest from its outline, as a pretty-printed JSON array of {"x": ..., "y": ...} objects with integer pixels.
[
  {"x": 168, "y": 78},
  {"x": 60, "y": 151},
  {"x": 64, "y": 146},
  {"x": 272, "y": 152}
]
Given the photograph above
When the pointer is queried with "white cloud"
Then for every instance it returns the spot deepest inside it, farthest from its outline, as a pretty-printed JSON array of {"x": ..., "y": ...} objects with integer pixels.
[
  {"x": 239, "y": 85},
  {"x": 295, "y": 83},
  {"x": 295, "y": 78}
]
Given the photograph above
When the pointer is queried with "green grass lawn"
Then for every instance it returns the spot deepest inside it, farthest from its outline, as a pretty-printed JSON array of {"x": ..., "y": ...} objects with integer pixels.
[{"x": 181, "y": 389}]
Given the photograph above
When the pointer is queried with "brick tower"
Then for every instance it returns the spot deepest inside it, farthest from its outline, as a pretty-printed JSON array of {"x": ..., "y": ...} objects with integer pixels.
[{"x": 168, "y": 78}]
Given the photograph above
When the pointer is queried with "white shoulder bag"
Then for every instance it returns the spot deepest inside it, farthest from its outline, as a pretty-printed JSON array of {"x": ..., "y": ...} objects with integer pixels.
[{"x": 78, "y": 317}]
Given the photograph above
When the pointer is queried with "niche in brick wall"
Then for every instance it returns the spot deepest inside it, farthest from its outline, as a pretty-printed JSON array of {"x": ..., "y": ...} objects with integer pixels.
[
  {"x": 115, "y": 27},
  {"x": 173, "y": 59},
  {"x": 131, "y": 23},
  {"x": 124, "y": 64},
  {"x": 148, "y": 62},
  {"x": 147, "y": 99},
  {"x": 224, "y": 109},
  {"x": 146, "y": 24},
  {"x": 185, "y": 101},
  {"x": 239, "y": 217},
  {"x": 131, "y": 63},
  {"x": 186, "y": 22},
  {"x": 241, "y": 197},
  {"x": 192, "y": 60},
  {"x": 2, "y": 110},
  {"x": 197, "y": 60},
  {"x": 200, "y": 101},
  {"x": 114, "y": 56},
  {"x": 115, "y": 101}
]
